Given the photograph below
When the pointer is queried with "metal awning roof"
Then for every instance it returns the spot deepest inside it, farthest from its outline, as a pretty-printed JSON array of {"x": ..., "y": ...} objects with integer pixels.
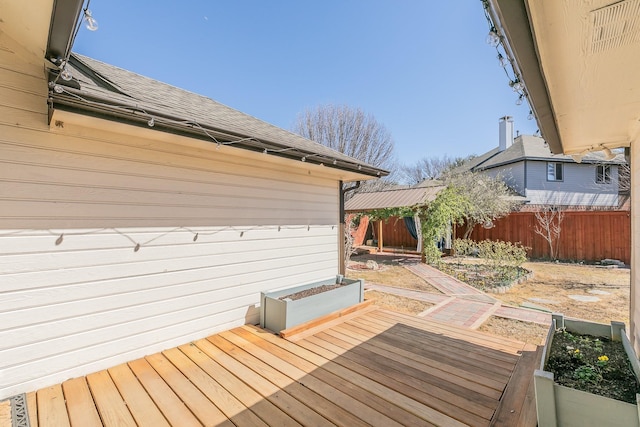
[{"x": 406, "y": 197}]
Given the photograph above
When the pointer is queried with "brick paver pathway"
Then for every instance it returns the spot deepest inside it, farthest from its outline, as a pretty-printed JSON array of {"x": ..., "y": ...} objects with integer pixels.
[
  {"x": 459, "y": 304},
  {"x": 461, "y": 312},
  {"x": 409, "y": 293},
  {"x": 446, "y": 284},
  {"x": 524, "y": 314}
]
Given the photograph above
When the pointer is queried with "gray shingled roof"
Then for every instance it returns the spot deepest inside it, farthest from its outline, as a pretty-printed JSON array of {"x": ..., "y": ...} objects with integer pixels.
[
  {"x": 531, "y": 147},
  {"x": 407, "y": 197},
  {"x": 107, "y": 90},
  {"x": 472, "y": 163}
]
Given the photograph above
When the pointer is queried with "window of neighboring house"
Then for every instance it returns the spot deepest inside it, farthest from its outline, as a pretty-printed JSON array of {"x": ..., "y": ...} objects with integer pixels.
[
  {"x": 603, "y": 174},
  {"x": 554, "y": 171}
]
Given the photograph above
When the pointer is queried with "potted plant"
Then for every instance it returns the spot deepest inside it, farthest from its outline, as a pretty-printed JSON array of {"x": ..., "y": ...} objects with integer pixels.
[
  {"x": 583, "y": 363},
  {"x": 286, "y": 308}
]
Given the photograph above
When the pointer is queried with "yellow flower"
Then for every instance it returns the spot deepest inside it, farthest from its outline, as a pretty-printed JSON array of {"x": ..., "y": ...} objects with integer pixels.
[
  {"x": 603, "y": 358},
  {"x": 577, "y": 350}
]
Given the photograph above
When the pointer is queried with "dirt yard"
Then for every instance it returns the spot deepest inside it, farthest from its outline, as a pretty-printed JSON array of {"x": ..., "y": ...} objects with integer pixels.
[
  {"x": 552, "y": 284},
  {"x": 530, "y": 333},
  {"x": 391, "y": 273},
  {"x": 550, "y": 287},
  {"x": 397, "y": 303}
]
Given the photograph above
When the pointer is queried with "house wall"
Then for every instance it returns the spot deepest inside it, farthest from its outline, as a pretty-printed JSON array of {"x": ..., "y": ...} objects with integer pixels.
[
  {"x": 577, "y": 188},
  {"x": 116, "y": 246},
  {"x": 634, "y": 309},
  {"x": 513, "y": 175}
]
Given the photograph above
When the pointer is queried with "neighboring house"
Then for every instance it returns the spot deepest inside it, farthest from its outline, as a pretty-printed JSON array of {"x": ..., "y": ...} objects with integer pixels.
[
  {"x": 136, "y": 216},
  {"x": 578, "y": 62},
  {"x": 528, "y": 167},
  {"x": 394, "y": 232}
]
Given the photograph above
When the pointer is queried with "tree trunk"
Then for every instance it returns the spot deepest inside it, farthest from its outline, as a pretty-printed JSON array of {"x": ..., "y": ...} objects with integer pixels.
[{"x": 469, "y": 229}]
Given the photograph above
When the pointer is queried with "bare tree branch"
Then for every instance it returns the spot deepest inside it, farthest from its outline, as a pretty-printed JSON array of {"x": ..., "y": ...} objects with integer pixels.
[
  {"x": 429, "y": 168},
  {"x": 489, "y": 197},
  {"x": 549, "y": 226},
  {"x": 350, "y": 131}
]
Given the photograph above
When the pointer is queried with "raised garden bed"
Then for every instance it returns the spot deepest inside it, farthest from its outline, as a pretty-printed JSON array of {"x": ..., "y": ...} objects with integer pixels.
[
  {"x": 286, "y": 308},
  {"x": 576, "y": 345},
  {"x": 485, "y": 277}
]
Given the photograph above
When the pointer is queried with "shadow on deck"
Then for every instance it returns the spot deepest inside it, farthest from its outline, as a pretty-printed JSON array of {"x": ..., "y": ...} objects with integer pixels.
[{"x": 373, "y": 368}]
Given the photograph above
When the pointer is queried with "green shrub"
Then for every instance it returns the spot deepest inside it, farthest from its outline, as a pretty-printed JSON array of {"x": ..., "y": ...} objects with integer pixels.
[{"x": 496, "y": 253}]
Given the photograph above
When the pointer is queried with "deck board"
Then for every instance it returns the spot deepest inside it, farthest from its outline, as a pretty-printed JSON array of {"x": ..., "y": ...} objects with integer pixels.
[
  {"x": 518, "y": 406},
  {"x": 358, "y": 386},
  {"x": 144, "y": 411},
  {"x": 80, "y": 405},
  {"x": 198, "y": 403},
  {"x": 5, "y": 413},
  {"x": 264, "y": 408},
  {"x": 439, "y": 368},
  {"x": 171, "y": 406},
  {"x": 408, "y": 382},
  {"x": 111, "y": 407},
  {"x": 233, "y": 409},
  {"x": 476, "y": 397},
  {"x": 261, "y": 382},
  {"x": 52, "y": 411},
  {"x": 376, "y": 368},
  {"x": 324, "y": 406},
  {"x": 32, "y": 408}
]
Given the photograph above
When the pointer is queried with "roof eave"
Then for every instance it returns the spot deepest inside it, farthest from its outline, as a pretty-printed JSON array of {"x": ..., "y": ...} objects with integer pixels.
[
  {"x": 100, "y": 108},
  {"x": 64, "y": 20},
  {"x": 512, "y": 18}
]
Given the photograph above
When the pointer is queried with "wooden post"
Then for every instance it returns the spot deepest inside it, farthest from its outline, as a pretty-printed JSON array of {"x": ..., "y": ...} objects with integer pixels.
[
  {"x": 416, "y": 219},
  {"x": 342, "y": 268},
  {"x": 380, "y": 241}
]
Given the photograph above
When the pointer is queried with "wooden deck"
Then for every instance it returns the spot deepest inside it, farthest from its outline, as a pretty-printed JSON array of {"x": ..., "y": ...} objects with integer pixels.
[{"x": 374, "y": 368}]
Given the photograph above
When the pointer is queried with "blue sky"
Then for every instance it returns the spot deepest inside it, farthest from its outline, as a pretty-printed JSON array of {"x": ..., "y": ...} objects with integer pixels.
[{"x": 421, "y": 67}]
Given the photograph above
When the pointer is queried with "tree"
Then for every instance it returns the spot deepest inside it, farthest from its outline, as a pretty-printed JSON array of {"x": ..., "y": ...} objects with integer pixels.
[
  {"x": 350, "y": 131},
  {"x": 549, "y": 226},
  {"x": 429, "y": 168},
  {"x": 448, "y": 208},
  {"x": 489, "y": 198}
]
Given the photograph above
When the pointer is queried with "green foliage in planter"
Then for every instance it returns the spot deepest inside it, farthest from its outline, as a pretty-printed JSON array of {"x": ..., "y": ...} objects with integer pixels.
[{"x": 591, "y": 364}]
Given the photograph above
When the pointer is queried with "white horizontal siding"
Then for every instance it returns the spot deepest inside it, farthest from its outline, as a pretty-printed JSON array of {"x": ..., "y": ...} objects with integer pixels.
[{"x": 113, "y": 247}]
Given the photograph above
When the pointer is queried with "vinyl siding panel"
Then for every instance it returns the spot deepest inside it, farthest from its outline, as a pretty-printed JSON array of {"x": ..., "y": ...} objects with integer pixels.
[
  {"x": 113, "y": 247},
  {"x": 512, "y": 174},
  {"x": 578, "y": 186}
]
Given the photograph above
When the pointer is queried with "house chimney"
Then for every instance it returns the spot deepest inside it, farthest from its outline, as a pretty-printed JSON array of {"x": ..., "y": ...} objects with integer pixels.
[{"x": 506, "y": 132}]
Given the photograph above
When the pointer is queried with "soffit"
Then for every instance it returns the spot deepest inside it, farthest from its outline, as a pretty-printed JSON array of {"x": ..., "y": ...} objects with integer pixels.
[
  {"x": 28, "y": 23},
  {"x": 589, "y": 54}
]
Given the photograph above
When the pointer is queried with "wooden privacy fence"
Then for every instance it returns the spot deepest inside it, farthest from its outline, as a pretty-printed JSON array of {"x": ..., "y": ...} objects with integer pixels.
[
  {"x": 394, "y": 233},
  {"x": 585, "y": 235}
]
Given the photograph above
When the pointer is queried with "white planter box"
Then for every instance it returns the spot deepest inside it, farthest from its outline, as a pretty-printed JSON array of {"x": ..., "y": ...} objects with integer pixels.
[
  {"x": 278, "y": 314},
  {"x": 566, "y": 407}
]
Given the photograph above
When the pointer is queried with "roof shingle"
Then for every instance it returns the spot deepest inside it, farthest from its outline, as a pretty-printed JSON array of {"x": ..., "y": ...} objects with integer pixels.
[{"x": 97, "y": 84}]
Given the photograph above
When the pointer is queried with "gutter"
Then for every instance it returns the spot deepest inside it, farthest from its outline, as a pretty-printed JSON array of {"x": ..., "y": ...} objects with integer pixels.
[
  {"x": 342, "y": 268},
  {"x": 512, "y": 17},
  {"x": 64, "y": 20}
]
